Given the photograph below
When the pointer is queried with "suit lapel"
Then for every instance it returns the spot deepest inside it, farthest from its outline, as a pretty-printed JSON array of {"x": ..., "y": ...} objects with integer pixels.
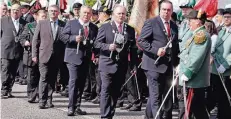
[
  {"x": 161, "y": 25},
  {"x": 58, "y": 29},
  {"x": 173, "y": 33},
  {"x": 48, "y": 24},
  {"x": 12, "y": 25},
  {"x": 223, "y": 37}
]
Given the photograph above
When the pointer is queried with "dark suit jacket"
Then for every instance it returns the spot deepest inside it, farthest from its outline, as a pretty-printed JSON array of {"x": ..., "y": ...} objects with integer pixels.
[
  {"x": 43, "y": 44},
  {"x": 29, "y": 18},
  {"x": 69, "y": 34},
  {"x": 27, "y": 35},
  {"x": 10, "y": 45},
  {"x": 151, "y": 39},
  {"x": 104, "y": 38}
]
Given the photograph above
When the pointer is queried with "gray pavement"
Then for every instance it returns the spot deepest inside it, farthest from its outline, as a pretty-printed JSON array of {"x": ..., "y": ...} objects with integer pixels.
[{"x": 19, "y": 108}]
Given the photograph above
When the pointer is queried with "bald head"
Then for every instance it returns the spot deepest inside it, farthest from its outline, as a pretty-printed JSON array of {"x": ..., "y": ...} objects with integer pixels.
[
  {"x": 119, "y": 14},
  {"x": 15, "y": 11}
]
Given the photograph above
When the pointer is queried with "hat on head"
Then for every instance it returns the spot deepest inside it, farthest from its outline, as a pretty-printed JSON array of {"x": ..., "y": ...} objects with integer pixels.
[
  {"x": 95, "y": 12},
  {"x": 194, "y": 14},
  {"x": 77, "y": 5},
  {"x": 24, "y": 5},
  {"x": 227, "y": 11},
  {"x": 187, "y": 3},
  {"x": 105, "y": 10}
]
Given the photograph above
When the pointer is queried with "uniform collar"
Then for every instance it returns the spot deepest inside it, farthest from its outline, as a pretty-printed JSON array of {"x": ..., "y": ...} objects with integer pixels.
[
  {"x": 26, "y": 14},
  {"x": 198, "y": 29}
]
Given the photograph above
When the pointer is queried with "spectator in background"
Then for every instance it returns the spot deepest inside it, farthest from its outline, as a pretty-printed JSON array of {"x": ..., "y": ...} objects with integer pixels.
[
  {"x": 3, "y": 10},
  {"x": 218, "y": 19},
  {"x": 211, "y": 29},
  {"x": 76, "y": 9},
  {"x": 95, "y": 17}
]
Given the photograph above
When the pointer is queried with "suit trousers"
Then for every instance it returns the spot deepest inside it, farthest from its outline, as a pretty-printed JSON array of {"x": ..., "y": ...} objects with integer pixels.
[
  {"x": 110, "y": 91},
  {"x": 32, "y": 81},
  {"x": 48, "y": 76},
  {"x": 217, "y": 96},
  {"x": 158, "y": 85},
  {"x": 8, "y": 73},
  {"x": 77, "y": 79}
]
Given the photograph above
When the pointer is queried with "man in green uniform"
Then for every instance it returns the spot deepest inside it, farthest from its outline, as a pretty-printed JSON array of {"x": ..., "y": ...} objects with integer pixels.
[
  {"x": 221, "y": 70},
  {"x": 194, "y": 65}
]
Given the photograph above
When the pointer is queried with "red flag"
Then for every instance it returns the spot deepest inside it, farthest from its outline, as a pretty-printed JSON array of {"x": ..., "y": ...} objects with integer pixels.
[
  {"x": 63, "y": 4},
  {"x": 208, "y": 6}
]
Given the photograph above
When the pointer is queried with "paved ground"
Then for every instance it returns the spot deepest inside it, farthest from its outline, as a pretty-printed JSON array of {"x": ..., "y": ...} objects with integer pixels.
[{"x": 19, "y": 108}]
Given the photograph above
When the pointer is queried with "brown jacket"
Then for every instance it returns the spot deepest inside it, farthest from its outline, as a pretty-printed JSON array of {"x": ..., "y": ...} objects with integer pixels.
[{"x": 43, "y": 44}]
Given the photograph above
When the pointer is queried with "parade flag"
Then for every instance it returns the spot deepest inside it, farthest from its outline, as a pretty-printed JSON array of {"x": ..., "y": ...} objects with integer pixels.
[
  {"x": 97, "y": 5},
  {"x": 63, "y": 4},
  {"x": 110, "y": 4},
  {"x": 208, "y": 6},
  {"x": 124, "y": 3},
  {"x": 142, "y": 10}
]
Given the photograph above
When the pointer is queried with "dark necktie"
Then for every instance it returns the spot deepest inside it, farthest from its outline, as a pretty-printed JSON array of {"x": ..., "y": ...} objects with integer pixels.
[
  {"x": 53, "y": 27},
  {"x": 85, "y": 31}
]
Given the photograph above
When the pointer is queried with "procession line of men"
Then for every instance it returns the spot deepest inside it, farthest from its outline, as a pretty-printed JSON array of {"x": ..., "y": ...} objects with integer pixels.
[{"x": 110, "y": 49}]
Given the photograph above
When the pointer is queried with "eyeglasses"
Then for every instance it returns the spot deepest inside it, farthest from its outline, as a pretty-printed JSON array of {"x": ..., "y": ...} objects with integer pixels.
[
  {"x": 227, "y": 17},
  {"x": 53, "y": 10}
]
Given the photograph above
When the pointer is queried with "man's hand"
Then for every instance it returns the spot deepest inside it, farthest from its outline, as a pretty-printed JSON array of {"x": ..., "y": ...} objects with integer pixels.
[
  {"x": 27, "y": 43},
  {"x": 211, "y": 59},
  {"x": 78, "y": 38},
  {"x": 184, "y": 78},
  {"x": 34, "y": 59},
  {"x": 112, "y": 47},
  {"x": 221, "y": 69},
  {"x": 96, "y": 61},
  {"x": 161, "y": 52}
]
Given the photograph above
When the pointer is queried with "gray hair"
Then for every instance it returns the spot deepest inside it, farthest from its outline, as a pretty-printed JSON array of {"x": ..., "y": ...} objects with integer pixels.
[
  {"x": 119, "y": 6},
  {"x": 85, "y": 6},
  {"x": 54, "y": 6}
]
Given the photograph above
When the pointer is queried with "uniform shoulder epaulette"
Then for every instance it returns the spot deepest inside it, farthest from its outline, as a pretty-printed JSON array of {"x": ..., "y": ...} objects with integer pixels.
[{"x": 200, "y": 37}]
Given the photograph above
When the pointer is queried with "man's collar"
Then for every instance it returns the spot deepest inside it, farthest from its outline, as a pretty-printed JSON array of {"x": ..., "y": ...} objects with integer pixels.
[
  {"x": 117, "y": 24},
  {"x": 163, "y": 20},
  {"x": 198, "y": 29},
  {"x": 26, "y": 14},
  {"x": 84, "y": 24},
  {"x": 228, "y": 28},
  {"x": 14, "y": 19},
  {"x": 55, "y": 20}
]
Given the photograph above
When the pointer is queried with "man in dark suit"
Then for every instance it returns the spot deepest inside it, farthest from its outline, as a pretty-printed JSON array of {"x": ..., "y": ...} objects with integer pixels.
[
  {"x": 26, "y": 15},
  {"x": 155, "y": 34},
  {"x": 32, "y": 71},
  {"x": 48, "y": 47},
  {"x": 25, "y": 10},
  {"x": 113, "y": 58},
  {"x": 81, "y": 32},
  {"x": 11, "y": 50}
]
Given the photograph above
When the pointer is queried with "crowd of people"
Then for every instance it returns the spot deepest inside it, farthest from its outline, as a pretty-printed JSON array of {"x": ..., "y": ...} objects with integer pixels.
[{"x": 94, "y": 55}]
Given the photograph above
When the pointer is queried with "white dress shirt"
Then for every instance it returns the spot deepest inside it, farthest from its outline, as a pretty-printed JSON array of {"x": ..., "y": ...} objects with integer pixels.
[{"x": 16, "y": 23}]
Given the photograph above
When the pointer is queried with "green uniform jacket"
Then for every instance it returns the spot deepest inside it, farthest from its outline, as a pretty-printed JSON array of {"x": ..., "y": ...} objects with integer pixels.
[
  {"x": 222, "y": 54},
  {"x": 195, "y": 59}
]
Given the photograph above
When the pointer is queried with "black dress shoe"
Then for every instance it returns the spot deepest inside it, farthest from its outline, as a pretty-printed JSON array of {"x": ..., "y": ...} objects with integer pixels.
[
  {"x": 80, "y": 112},
  {"x": 134, "y": 108},
  {"x": 64, "y": 93},
  {"x": 23, "y": 83},
  {"x": 118, "y": 105},
  {"x": 4, "y": 95},
  {"x": 30, "y": 100},
  {"x": 50, "y": 105},
  {"x": 126, "y": 107},
  {"x": 42, "y": 106},
  {"x": 96, "y": 100},
  {"x": 71, "y": 112},
  {"x": 10, "y": 95}
]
